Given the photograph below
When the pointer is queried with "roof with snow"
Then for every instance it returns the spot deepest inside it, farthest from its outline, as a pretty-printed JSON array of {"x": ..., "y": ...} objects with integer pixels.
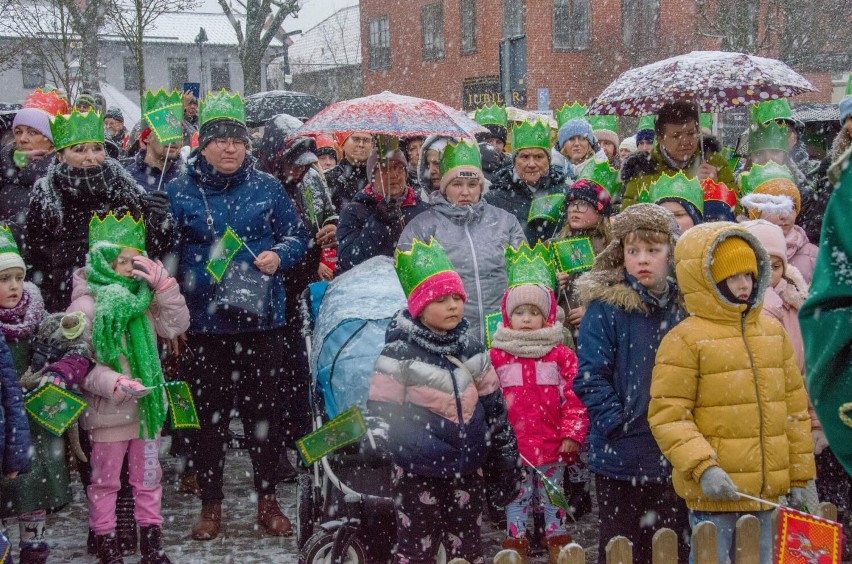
[
  {"x": 334, "y": 42},
  {"x": 177, "y": 28}
]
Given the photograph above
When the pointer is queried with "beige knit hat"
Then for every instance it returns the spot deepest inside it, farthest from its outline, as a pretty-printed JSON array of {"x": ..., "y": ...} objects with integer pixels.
[{"x": 528, "y": 294}]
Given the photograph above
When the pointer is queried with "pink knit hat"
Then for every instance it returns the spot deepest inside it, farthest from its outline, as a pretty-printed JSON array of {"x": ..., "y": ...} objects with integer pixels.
[
  {"x": 528, "y": 294},
  {"x": 434, "y": 287},
  {"x": 770, "y": 236}
]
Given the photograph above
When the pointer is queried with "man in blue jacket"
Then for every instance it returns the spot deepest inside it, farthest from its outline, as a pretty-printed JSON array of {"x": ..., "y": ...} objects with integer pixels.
[
  {"x": 236, "y": 232},
  {"x": 147, "y": 165}
]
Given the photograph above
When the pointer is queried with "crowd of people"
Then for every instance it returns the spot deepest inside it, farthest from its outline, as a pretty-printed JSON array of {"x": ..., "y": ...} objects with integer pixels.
[{"x": 580, "y": 309}]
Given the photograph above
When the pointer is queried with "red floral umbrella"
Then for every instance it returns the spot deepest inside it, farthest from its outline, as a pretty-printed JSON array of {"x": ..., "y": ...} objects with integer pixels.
[
  {"x": 712, "y": 80},
  {"x": 392, "y": 114}
]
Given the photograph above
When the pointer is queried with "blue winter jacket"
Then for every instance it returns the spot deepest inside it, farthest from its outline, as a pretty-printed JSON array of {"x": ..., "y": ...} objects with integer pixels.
[
  {"x": 618, "y": 340},
  {"x": 15, "y": 438},
  {"x": 147, "y": 176},
  {"x": 258, "y": 210}
]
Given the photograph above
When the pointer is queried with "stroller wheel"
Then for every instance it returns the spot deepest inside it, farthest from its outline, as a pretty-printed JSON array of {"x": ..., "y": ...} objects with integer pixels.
[
  {"x": 318, "y": 550},
  {"x": 305, "y": 517}
]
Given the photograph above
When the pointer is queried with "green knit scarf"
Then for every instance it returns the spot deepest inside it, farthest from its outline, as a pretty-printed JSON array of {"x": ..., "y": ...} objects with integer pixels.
[{"x": 120, "y": 328}]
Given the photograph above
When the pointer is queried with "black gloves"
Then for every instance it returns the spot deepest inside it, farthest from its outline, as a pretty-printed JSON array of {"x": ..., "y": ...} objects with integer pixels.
[{"x": 156, "y": 206}]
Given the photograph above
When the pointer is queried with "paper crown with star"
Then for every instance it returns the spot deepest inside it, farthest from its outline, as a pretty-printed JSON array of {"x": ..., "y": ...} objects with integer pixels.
[
  {"x": 222, "y": 105},
  {"x": 531, "y": 265},
  {"x": 678, "y": 187},
  {"x": 76, "y": 128},
  {"x": 527, "y": 135},
  {"x": 566, "y": 113},
  {"x": 124, "y": 232},
  {"x": 760, "y": 174}
]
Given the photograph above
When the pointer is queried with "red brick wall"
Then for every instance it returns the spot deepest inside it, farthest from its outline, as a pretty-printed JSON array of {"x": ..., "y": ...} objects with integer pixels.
[{"x": 576, "y": 75}]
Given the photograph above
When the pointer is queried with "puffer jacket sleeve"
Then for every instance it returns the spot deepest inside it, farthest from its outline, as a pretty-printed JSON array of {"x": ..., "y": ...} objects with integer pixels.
[
  {"x": 387, "y": 386},
  {"x": 594, "y": 384},
  {"x": 16, "y": 432},
  {"x": 574, "y": 421},
  {"x": 291, "y": 235},
  {"x": 674, "y": 387},
  {"x": 802, "y": 467},
  {"x": 171, "y": 316},
  {"x": 516, "y": 233},
  {"x": 101, "y": 379},
  {"x": 421, "y": 228}
]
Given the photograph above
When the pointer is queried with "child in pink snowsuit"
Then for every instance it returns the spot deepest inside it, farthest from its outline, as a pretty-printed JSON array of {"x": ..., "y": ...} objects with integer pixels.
[
  {"x": 127, "y": 300},
  {"x": 536, "y": 372}
]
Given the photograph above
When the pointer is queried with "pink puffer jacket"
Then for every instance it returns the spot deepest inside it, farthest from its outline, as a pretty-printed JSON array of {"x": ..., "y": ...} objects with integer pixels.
[
  {"x": 107, "y": 419},
  {"x": 801, "y": 253}
]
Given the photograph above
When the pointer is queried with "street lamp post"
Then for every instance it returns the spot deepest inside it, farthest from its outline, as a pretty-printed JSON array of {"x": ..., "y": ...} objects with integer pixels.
[{"x": 200, "y": 40}]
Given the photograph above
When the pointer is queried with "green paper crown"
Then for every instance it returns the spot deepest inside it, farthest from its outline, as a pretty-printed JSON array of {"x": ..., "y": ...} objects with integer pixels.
[
  {"x": 771, "y": 110},
  {"x": 705, "y": 121},
  {"x": 602, "y": 174},
  {"x": 222, "y": 105},
  {"x": 420, "y": 263},
  {"x": 124, "y": 232},
  {"x": 760, "y": 174},
  {"x": 535, "y": 265},
  {"x": 528, "y": 135},
  {"x": 770, "y": 135},
  {"x": 566, "y": 113},
  {"x": 7, "y": 241},
  {"x": 646, "y": 122},
  {"x": 463, "y": 153},
  {"x": 679, "y": 187},
  {"x": 608, "y": 123},
  {"x": 492, "y": 115},
  {"x": 75, "y": 128},
  {"x": 163, "y": 112}
]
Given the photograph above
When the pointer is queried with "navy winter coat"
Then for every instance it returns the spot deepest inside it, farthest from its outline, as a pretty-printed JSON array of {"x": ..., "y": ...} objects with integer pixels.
[
  {"x": 147, "y": 176},
  {"x": 15, "y": 438},
  {"x": 618, "y": 341},
  {"x": 258, "y": 210}
]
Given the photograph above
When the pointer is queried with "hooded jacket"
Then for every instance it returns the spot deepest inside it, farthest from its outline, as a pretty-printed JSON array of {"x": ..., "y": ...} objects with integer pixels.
[
  {"x": 345, "y": 181},
  {"x": 107, "y": 419},
  {"x": 543, "y": 408},
  {"x": 475, "y": 238},
  {"x": 508, "y": 192},
  {"x": 366, "y": 230},
  {"x": 438, "y": 413},
  {"x": 640, "y": 170},
  {"x": 254, "y": 205},
  {"x": 15, "y": 435},
  {"x": 783, "y": 303},
  {"x": 16, "y": 188},
  {"x": 726, "y": 390},
  {"x": 801, "y": 253},
  {"x": 619, "y": 336},
  {"x": 148, "y": 177}
]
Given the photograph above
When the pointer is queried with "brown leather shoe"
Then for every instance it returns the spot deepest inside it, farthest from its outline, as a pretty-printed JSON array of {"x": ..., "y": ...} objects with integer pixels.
[
  {"x": 520, "y": 545},
  {"x": 207, "y": 526},
  {"x": 555, "y": 544},
  {"x": 269, "y": 516}
]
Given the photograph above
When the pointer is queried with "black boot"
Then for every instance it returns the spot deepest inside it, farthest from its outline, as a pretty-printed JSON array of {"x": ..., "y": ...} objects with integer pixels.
[
  {"x": 108, "y": 551},
  {"x": 151, "y": 539},
  {"x": 34, "y": 555},
  {"x": 92, "y": 543},
  {"x": 125, "y": 526}
]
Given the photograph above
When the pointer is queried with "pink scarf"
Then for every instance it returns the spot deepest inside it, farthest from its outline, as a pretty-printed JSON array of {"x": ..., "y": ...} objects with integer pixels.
[{"x": 20, "y": 322}]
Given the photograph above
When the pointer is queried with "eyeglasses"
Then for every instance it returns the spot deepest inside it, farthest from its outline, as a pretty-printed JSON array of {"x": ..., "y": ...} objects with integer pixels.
[
  {"x": 579, "y": 205},
  {"x": 224, "y": 142},
  {"x": 361, "y": 140}
]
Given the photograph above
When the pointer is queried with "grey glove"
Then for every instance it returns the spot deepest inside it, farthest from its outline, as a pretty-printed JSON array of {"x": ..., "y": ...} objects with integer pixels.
[
  {"x": 796, "y": 498},
  {"x": 716, "y": 484},
  {"x": 820, "y": 442}
]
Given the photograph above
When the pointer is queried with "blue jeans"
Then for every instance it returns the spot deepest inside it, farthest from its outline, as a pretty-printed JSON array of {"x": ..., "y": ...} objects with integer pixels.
[{"x": 726, "y": 526}]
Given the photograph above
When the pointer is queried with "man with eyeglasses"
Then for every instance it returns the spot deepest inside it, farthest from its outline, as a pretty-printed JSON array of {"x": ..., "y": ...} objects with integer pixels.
[
  {"x": 350, "y": 175},
  {"x": 678, "y": 149}
]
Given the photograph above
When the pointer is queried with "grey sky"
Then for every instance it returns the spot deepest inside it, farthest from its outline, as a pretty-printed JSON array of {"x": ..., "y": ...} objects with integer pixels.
[{"x": 312, "y": 12}]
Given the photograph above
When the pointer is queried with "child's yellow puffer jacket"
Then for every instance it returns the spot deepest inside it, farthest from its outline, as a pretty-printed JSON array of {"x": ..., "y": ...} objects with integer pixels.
[{"x": 726, "y": 389}]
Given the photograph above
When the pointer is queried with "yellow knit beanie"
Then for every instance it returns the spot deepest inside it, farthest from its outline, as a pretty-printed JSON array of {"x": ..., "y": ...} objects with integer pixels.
[{"x": 731, "y": 256}]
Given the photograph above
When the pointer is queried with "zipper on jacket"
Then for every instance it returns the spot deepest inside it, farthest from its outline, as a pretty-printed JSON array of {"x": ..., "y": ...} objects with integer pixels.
[
  {"x": 478, "y": 285},
  {"x": 759, "y": 403},
  {"x": 459, "y": 413}
]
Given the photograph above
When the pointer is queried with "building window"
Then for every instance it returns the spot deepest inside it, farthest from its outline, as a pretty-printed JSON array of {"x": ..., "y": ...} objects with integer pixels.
[
  {"x": 432, "y": 22},
  {"x": 468, "y": 27},
  {"x": 513, "y": 18},
  {"x": 220, "y": 75},
  {"x": 32, "y": 72},
  {"x": 570, "y": 25},
  {"x": 178, "y": 73},
  {"x": 131, "y": 76},
  {"x": 379, "y": 43},
  {"x": 639, "y": 22}
]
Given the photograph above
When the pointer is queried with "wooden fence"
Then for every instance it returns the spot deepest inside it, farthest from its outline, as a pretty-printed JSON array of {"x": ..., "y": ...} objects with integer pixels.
[{"x": 619, "y": 550}]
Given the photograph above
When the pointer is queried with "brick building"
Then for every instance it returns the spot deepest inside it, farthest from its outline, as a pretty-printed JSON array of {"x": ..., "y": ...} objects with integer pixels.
[{"x": 449, "y": 50}]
